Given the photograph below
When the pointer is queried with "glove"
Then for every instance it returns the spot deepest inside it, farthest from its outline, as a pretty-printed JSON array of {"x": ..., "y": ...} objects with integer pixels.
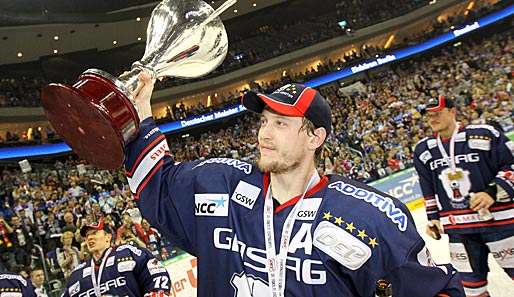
[{"x": 434, "y": 229}]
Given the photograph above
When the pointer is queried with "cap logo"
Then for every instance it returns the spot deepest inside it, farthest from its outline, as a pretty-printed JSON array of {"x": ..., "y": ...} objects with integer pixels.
[{"x": 288, "y": 90}]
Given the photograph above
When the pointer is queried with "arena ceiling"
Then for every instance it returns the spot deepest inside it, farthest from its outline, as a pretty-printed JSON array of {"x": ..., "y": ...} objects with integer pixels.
[
  {"x": 30, "y": 29},
  {"x": 29, "y": 12},
  {"x": 69, "y": 6}
]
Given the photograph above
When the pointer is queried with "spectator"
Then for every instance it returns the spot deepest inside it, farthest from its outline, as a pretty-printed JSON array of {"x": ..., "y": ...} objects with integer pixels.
[
  {"x": 68, "y": 257},
  {"x": 37, "y": 276},
  {"x": 69, "y": 222},
  {"x": 126, "y": 234},
  {"x": 152, "y": 238},
  {"x": 23, "y": 236},
  {"x": 7, "y": 257}
]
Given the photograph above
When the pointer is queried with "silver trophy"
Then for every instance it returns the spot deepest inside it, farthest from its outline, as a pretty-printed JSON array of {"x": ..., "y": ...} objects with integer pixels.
[{"x": 97, "y": 117}]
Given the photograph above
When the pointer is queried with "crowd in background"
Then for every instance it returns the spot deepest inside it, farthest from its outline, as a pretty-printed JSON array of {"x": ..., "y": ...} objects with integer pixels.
[
  {"x": 269, "y": 41},
  {"x": 377, "y": 123},
  {"x": 25, "y": 91}
]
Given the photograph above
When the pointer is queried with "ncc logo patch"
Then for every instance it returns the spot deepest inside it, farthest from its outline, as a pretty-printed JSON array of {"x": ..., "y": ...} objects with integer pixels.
[
  {"x": 245, "y": 194},
  {"x": 213, "y": 205},
  {"x": 341, "y": 245},
  {"x": 309, "y": 209}
]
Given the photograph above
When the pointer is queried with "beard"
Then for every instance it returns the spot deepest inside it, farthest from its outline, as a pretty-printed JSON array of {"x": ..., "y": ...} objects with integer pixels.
[{"x": 284, "y": 164}]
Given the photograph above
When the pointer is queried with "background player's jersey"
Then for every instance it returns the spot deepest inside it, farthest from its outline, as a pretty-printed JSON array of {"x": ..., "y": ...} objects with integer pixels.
[
  {"x": 126, "y": 271},
  {"x": 13, "y": 285},
  {"x": 483, "y": 155},
  {"x": 346, "y": 235}
]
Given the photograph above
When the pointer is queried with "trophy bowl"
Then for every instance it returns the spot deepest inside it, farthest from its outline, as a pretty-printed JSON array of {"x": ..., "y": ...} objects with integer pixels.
[{"x": 97, "y": 116}]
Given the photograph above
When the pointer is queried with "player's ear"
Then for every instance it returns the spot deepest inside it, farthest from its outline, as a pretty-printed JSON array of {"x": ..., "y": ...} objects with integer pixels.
[
  {"x": 108, "y": 237},
  {"x": 318, "y": 137}
]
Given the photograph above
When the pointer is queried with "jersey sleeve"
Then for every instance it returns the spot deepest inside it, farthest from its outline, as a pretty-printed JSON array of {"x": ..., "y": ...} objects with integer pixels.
[
  {"x": 408, "y": 265},
  {"x": 28, "y": 290},
  {"x": 420, "y": 276},
  {"x": 503, "y": 156},
  {"x": 380, "y": 241},
  {"x": 421, "y": 157},
  {"x": 164, "y": 191},
  {"x": 151, "y": 274},
  {"x": 73, "y": 283}
]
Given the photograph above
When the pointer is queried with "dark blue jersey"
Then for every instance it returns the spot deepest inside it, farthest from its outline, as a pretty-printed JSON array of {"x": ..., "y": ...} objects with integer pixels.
[
  {"x": 483, "y": 156},
  {"x": 346, "y": 235},
  {"x": 124, "y": 270},
  {"x": 13, "y": 285}
]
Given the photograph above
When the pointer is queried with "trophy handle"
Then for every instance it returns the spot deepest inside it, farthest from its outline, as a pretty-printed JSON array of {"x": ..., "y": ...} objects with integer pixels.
[{"x": 130, "y": 79}]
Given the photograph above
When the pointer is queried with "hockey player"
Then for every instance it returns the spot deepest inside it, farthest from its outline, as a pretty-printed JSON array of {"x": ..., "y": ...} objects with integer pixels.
[
  {"x": 466, "y": 176},
  {"x": 280, "y": 228},
  {"x": 13, "y": 285},
  {"x": 123, "y": 270}
]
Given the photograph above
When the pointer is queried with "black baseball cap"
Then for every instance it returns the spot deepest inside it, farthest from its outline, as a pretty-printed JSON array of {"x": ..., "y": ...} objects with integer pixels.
[
  {"x": 100, "y": 225},
  {"x": 294, "y": 100},
  {"x": 437, "y": 104}
]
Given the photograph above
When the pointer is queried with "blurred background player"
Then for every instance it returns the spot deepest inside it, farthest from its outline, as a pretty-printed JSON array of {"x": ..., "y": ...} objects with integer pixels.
[
  {"x": 37, "y": 277},
  {"x": 466, "y": 176},
  {"x": 13, "y": 285},
  {"x": 116, "y": 270}
]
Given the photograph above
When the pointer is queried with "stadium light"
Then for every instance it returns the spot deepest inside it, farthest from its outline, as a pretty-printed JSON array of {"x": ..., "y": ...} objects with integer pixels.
[{"x": 389, "y": 41}]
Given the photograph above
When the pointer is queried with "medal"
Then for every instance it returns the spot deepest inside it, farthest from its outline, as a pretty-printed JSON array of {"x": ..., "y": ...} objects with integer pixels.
[{"x": 455, "y": 175}]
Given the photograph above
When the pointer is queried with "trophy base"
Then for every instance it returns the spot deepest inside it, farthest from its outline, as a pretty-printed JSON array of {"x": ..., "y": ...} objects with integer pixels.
[{"x": 94, "y": 118}]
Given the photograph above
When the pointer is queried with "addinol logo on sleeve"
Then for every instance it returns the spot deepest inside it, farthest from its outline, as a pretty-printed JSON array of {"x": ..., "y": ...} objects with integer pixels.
[
  {"x": 383, "y": 204},
  {"x": 214, "y": 205}
]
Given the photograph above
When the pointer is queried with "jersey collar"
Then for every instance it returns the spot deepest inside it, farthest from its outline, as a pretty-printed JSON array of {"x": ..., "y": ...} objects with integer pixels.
[{"x": 317, "y": 187}]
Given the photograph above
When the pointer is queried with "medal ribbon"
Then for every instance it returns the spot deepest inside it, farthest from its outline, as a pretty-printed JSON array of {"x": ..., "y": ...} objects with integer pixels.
[
  {"x": 276, "y": 264},
  {"x": 451, "y": 158},
  {"x": 96, "y": 282}
]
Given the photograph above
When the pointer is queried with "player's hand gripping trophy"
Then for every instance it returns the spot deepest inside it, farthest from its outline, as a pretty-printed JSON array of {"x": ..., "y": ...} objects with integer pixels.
[{"x": 97, "y": 116}]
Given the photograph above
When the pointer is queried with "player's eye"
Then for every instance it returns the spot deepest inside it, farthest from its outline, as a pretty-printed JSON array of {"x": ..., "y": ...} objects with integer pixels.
[{"x": 281, "y": 123}]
